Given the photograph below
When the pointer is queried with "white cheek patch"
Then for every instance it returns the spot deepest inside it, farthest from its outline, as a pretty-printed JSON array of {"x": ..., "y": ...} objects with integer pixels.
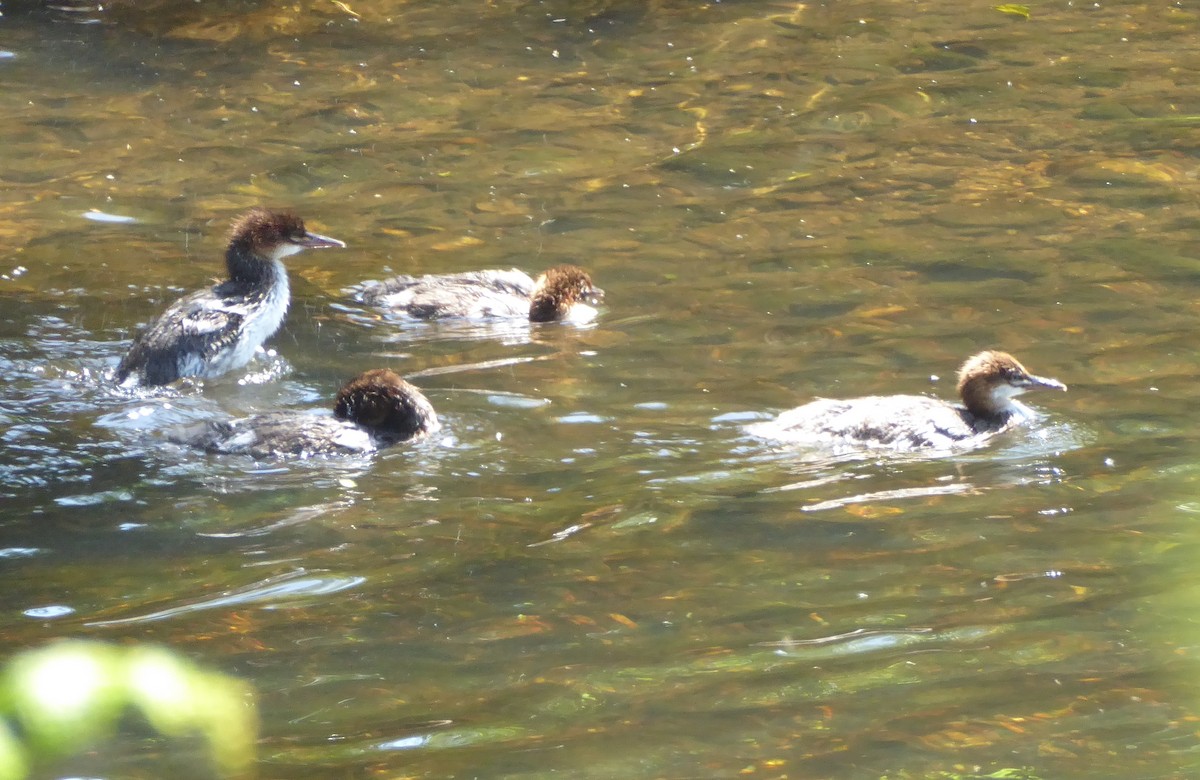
[
  {"x": 286, "y": 249},
  {"x": 1002, "y": 395},
  {"x": 580, "y": 313},
  {"x": 1005, "y": 390}
]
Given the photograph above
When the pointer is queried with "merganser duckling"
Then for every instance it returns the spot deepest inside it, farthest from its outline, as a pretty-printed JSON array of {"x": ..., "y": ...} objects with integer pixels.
[
  {"x": 213, "y": 331},
  {"x": 374, "y": 410},
  {"x": 564, "y": 292},
  {"x": 987, "y": 383}
]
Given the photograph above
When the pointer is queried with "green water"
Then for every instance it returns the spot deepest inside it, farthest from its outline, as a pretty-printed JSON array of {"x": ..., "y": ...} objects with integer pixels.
[{"x": 592, "y": 571}]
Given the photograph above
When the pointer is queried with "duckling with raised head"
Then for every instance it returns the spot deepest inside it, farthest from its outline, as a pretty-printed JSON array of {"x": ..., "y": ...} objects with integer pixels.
[
  {"x": 213, "y": 331},
  {"x": 988, "y": 384}
]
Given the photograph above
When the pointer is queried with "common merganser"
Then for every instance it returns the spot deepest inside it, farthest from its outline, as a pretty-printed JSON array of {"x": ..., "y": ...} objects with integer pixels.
[
  {"x": 564, "y": 292},
  {"x": 210, "y": 332},
  {"x": 374, "y": 410},
  {"x": 988, "y": 384}
]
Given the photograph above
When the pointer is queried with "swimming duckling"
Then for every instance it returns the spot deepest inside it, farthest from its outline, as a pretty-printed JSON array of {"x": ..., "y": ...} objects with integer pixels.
[
  {"x": 988, "y": 384},
  {"x": 564, "y": 292},
  {"x": 372, "y": 411}
]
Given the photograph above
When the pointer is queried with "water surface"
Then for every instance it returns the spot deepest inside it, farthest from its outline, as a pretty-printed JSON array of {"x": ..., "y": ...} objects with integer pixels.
[{"x": 592, "y": 571}]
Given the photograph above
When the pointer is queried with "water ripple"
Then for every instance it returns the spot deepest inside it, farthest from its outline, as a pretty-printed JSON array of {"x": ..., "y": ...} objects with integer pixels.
[{"x": 269, "y": 593}]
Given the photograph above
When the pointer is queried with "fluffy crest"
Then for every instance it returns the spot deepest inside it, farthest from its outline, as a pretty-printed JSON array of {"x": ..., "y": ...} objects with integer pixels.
[
  {"x": 386, "y": 405},
  {"x": 263, "y": 229},
  {"x": 558, "y": 289}
]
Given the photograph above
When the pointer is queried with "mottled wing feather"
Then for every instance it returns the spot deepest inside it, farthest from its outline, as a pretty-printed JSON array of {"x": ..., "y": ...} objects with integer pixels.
[{"x": 181, "y": 341}]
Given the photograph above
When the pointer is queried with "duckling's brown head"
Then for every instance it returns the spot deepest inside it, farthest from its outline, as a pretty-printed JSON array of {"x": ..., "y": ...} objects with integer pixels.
[
  {"x": 559, "y": 289},
  {"x": 389, "y": 407},
  {"x": 988, "y": 382},
  {"x": 274, "y": 234}
]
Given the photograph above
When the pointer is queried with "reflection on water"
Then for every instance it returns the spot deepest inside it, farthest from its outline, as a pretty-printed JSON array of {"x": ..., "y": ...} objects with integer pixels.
[
  {"x": 272, "y": 593},
  {"x": 593, "y": 570}
]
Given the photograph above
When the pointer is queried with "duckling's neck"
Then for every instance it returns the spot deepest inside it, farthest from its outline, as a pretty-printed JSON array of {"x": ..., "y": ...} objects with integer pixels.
[{"x": 250, "y": 268}]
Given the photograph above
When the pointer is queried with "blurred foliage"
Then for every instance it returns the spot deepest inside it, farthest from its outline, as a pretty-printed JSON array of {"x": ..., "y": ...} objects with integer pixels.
[
  {"x": 61, "y": 699},
  {"x": 1014, "y": 9}
]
